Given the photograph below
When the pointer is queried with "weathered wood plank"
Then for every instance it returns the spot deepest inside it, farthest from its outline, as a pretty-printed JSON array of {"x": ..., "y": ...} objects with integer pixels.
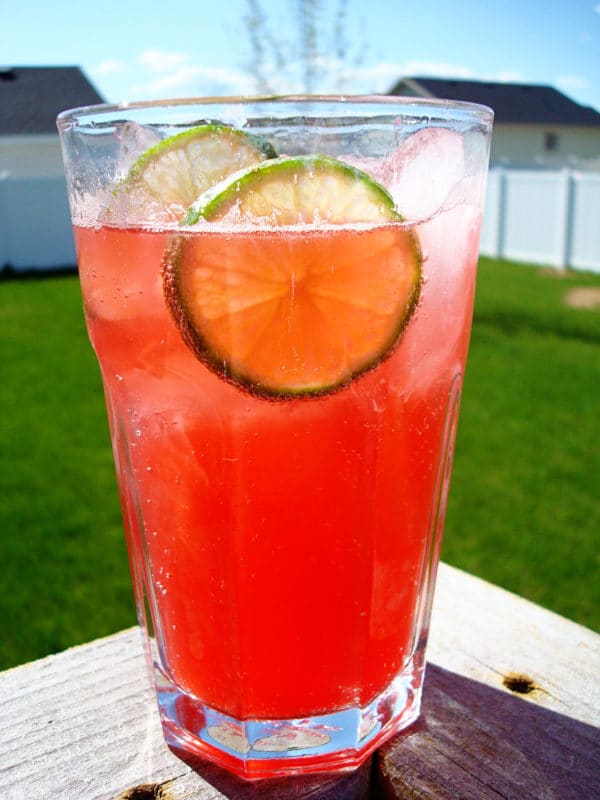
[
  {"x": 84, "y": 724},
  {"x": 512, "y": 714},
  {"x": 477, "y": 742},
  {"x": 488, "y": 634}
]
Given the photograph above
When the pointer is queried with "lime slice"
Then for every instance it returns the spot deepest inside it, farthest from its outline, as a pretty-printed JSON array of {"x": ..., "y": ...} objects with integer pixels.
[
  {"x": 173, "y": 173},
  {"x": 290, "y": 309},
  {"x": 296, "y": 190}
]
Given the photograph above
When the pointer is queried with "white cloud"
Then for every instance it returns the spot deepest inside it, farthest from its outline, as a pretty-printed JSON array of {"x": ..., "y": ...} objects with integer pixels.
[
  {"x": 169, "y": 74},
  {"x": 377, "y": 77},
  {"x": 508, "y": 77},
  {"x": 572, "y": 82},
  {"x": 437, "y": 69},
  {"x": 190, "y": 79},
  {"x": 110, "y": 67},
  {"x": 172, "y": 74},
  {"x": 160, "y": 60},
  {"x": 382, "y": 76}
]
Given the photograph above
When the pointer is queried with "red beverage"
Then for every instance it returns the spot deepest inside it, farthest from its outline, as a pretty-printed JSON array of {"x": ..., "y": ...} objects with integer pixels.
[
  {"x": 282, "y": 360},
  {"x": 299, "y": 540}
]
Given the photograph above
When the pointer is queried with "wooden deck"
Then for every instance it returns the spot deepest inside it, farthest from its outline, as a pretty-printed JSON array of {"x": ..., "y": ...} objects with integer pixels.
[{"x": 511, "y": 712}]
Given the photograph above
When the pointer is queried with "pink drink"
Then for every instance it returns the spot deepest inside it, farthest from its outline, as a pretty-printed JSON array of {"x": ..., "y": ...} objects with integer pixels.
[{"x": 287, "y": 549}]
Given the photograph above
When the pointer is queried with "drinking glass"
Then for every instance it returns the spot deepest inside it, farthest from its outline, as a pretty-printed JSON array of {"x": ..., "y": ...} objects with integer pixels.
[{"x": 282, "y": 366}]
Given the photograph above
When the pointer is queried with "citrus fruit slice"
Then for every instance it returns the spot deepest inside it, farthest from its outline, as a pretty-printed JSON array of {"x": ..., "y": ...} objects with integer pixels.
[
  {"x": 290, "y": 309},
  {"x": 296, "y": 190},
  {"x": 170, "y": 175}
]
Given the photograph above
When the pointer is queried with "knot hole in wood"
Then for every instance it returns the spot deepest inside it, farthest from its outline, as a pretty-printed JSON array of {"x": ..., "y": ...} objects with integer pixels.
[
  {"x": 520, "y": 684},
  {"x": 145, "y": 791}
]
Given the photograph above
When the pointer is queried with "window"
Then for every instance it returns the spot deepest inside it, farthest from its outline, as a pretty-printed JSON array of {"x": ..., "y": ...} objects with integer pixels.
[{"x": 551, "y": 142}]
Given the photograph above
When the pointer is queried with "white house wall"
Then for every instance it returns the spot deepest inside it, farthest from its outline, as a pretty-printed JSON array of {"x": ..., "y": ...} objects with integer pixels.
[
  {"x": 31, "y": 156},
  {"x": 35, "y": 227},
  {"x": 525, "y": 145}
]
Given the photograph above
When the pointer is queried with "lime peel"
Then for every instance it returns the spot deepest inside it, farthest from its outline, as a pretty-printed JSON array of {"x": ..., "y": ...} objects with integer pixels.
[
  {"x": 291, "y": 308},
  {"x": 171, "y": 174},
  {"x": 291, "y": 190}
]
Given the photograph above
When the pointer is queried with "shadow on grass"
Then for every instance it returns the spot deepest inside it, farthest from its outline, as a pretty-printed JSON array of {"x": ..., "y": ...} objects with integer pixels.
[
  {"x": 10, "y": 273},
  {"x": 569, "y": 325}
]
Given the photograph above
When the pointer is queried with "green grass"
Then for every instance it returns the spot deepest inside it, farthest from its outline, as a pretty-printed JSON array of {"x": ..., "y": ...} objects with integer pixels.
[
  {"x": 524, "y": 507},
  {"x": 523, "y": 511},
  {"x": 65, "y": 577}
]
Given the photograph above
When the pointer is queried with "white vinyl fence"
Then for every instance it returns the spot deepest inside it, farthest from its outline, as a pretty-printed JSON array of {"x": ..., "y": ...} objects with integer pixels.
[
  {"x": 543, "y": 217},
  {"x": 35, "y": 223},
  {"x": 549, "y": 217}
]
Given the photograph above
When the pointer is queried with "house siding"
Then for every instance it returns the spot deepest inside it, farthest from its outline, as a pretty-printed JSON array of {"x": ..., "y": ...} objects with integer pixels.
[
  {"x": 526, "y": 145},
  {"x": 28, "y": 156},
  {"x": 33, "y": 196},
  {"x": 535, "y": 126},
  {"x": 35, "y": 224}
]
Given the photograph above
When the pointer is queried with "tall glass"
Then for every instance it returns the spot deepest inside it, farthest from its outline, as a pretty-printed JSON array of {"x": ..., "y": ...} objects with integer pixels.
[{"x": 282, "y": 389}]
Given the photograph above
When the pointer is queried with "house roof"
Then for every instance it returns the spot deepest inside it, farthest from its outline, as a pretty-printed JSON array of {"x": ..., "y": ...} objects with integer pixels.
[
  {"x": 518, "y": 103},
  {"x": 31, "y": 97}
]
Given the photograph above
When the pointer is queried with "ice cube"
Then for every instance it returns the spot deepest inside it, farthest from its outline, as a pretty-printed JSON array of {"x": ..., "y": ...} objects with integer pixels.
[
  {"x": 370, "y": 165},
  {"x": 134, "y": 139},
  {"x": 422, "y": 172}
]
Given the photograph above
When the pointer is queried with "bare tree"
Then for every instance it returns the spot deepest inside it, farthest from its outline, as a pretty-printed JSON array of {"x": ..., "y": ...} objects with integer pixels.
[{"x": 314, "y": 56}]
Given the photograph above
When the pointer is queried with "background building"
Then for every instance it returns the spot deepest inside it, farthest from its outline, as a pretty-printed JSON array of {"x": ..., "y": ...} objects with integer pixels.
[
  {"x": 543, "y": 195},
  {"x": 35, "y": 229},
  {"x": 534, "y": 126},
  {"x": 542, "y": 206}
]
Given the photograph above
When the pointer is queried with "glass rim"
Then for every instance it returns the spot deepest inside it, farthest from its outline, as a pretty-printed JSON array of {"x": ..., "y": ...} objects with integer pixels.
[{"x": 479, "y": 111}]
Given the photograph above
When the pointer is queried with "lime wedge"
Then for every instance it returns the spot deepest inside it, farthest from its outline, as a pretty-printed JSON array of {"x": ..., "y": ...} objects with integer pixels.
[
  {"x": 284, "y": 307},
  {"x": 170, "y": 175}
]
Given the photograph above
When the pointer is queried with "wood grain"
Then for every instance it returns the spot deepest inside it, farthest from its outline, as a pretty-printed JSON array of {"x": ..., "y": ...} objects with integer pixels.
[
  {"x": 477, "y": 742},
  {"x": 83, "y": 724},
  {"x": 511, "y": 706}
]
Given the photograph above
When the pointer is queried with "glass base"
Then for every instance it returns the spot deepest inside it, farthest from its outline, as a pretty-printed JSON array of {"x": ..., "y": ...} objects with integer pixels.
[{"x": 256, "y": 748}]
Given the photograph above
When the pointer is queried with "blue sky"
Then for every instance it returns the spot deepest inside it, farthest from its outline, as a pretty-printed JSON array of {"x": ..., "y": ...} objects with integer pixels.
[{"x": 199, "y": 47}]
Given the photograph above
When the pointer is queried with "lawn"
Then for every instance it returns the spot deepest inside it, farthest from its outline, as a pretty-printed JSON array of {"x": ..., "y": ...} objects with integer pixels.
[{"x": 524, "y": 509}]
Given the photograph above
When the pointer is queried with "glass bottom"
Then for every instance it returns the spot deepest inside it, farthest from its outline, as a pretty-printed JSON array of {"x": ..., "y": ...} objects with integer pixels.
[{"x": 255, "y": 749}]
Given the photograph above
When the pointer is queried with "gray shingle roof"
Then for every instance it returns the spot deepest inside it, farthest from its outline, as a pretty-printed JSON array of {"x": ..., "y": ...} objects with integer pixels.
[
  {"x": 31, "y": 97},
  {"x": 512, "y": 102}
]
